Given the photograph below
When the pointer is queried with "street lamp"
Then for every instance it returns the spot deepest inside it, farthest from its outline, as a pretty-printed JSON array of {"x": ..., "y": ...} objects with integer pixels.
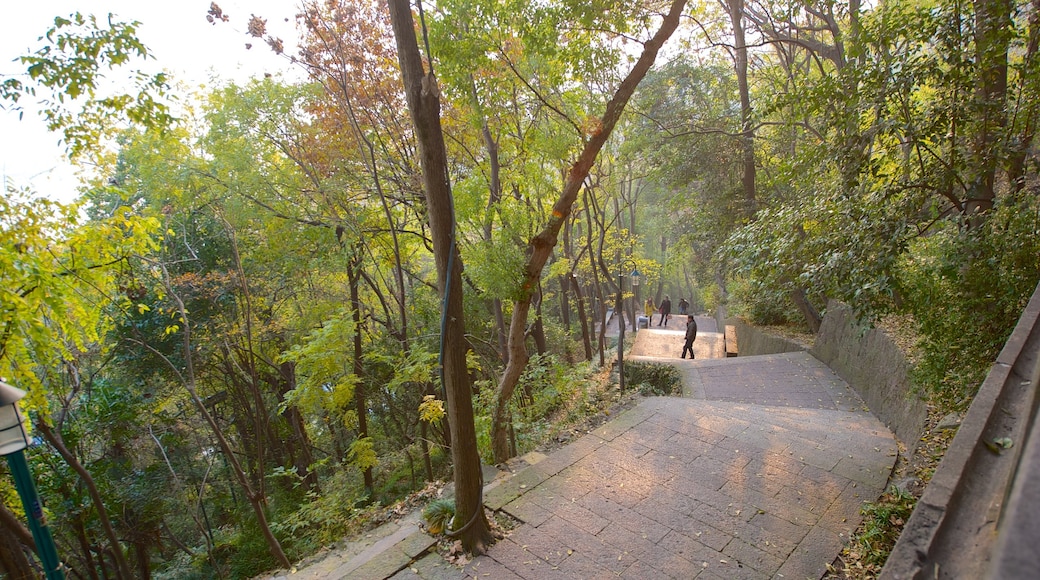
[
  {"x": 13, "y": 440},
  {"x": 636, "y": 277}
]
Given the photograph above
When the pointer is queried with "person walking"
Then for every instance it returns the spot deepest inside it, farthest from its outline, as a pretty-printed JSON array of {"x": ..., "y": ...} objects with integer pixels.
[
  {"x": 649, "y": 308},
  {"x": 683, "y": 307},
  {"x": 691, "y": 335},
  {"x": 666, "y": 311}
]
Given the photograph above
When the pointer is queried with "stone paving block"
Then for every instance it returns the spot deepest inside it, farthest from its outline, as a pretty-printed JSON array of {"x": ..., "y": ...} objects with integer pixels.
[
  {"x": 672, "y": 564},
  {"x": 578, "y": 565},
  {"x": 509, "y": 489},
  {"x": 521, "y": 561},
  {"x": 787, "y": 510},
  {"x": 415, "y": 544},
  {"x": 810, "y": 558},
  {"x": 752, "y": 557},
  {"x": 688, "y": 446},
  {"x": 619, "y": 515},
  {"x": 434, "y": 567},
  {"x": 623, "y": 422},
  {"x": 706, "y": 534},
  {"x": 631, "y": 545},
  {"x": 844, "y": 514},
  {"x": 811, "y": 498},
  {"x": 706, "y": 475},
  {"x": 628, "y": 494},
  {"x": 777, "y": 532},
  {"x": 556, "y": 491},
  {"x": 585, "y": 545},
  {"x": 873, "y": 475},
  {"x": 487, "y": 567},
  {"x": 759, "y": 480},
  {"x": 527, "y": 511},
  {"x": 627, "y": 447},
  {"x": 581, "y": 517},
  {"x": 382, "y": 565},
  {"x": 656, "y": 465},
  {"x": 406, "y": 574},
  {"x": 640, "y": 570},
  {"x": 819, "y": 456},
  {"x": 821, "y": 477},
  {"x": 687, "y": 547},
  {"x": 542, "y": 545}
]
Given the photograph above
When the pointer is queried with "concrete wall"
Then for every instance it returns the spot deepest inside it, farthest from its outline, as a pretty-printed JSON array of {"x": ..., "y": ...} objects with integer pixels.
[
  {"x": 978, "y": 516},
  {"x": 752, "y": 341},
  {"x": 876, "y": 368}
]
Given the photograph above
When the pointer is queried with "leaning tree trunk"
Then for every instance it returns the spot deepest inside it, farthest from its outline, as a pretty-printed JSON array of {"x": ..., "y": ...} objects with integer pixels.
[
  {"x": 541, "y": 245},
  {"x": 423, "y": 100},
  {"x": 14, "y": 564},
  {"x": 55, "y": 440}
]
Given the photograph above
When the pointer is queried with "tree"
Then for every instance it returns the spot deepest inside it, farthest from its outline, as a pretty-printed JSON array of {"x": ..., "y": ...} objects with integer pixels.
[
  {"x": 541, "y": 245},
  {"x": 424, "y": 104}
]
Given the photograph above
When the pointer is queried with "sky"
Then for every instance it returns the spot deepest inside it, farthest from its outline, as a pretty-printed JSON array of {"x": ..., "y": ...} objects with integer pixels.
[{"x": 178, "y": 36}]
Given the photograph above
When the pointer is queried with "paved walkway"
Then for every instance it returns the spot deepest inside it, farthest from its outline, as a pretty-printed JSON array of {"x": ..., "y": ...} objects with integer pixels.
[
  {"x": 687, "y": 488},
  {"x": 758, "y": 472}
]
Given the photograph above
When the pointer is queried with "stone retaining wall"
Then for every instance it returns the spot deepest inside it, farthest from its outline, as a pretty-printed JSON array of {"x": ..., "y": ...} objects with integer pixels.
[
  {"x": 753, "y": 341},
  {"x": 875, "y": 367}
]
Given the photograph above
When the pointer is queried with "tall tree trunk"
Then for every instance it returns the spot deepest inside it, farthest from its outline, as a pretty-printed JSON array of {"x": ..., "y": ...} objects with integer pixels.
[
  {"x": 302, "y": 456},
  {"x": 809, "y": 312},
  {"x": 541, "y": 245},
  {"x": 80, "y": 530},
  {"x": 1018, "y": 155},
  {"x": 422, "y": 95},
  {"x": 747, "y": 137},
  {"x": 599, "y": 311},
  {"x": 361, "y": 405},
  {"x": 10, "y": 522},
  {"x": 660, "y": 282},
  {"x": 494, "y": 197},
  {"x": 992, "y": 38},
  {"x": 583, "y": 317},
  {"x": 54, "y": 439}
]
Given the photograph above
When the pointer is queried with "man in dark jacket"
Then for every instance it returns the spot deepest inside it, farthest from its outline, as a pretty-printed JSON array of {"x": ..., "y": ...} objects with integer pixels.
[
  {"x": 691, "y": 335},
  {"x": 666, "y": 310}
]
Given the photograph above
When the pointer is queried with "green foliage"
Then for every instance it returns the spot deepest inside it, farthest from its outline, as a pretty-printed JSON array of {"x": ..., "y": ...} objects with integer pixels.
[
  {"x": 321, "y": 519},
  {"x": 58, "y": 275},
  {"x": 431, "y": 409},
  {"x": 438, "y": 515},
  {"x": 69, "y": 71},
  {"x": 653, "y": 378},
  {"x": 323, "y": 365},
  {"x": 362, "y": 453},
  {"x": 967, "y": 288},
  {"x": 883, "y": 522}
]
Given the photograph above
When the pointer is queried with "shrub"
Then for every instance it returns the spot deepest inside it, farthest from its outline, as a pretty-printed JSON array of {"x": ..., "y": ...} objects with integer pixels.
[{"x": 653, "y": 378}]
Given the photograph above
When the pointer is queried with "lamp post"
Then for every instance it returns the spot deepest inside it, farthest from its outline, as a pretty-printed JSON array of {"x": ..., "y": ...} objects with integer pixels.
[
  {"x": 621, "y": 319},
  {"x": 13, "y": 440}
]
